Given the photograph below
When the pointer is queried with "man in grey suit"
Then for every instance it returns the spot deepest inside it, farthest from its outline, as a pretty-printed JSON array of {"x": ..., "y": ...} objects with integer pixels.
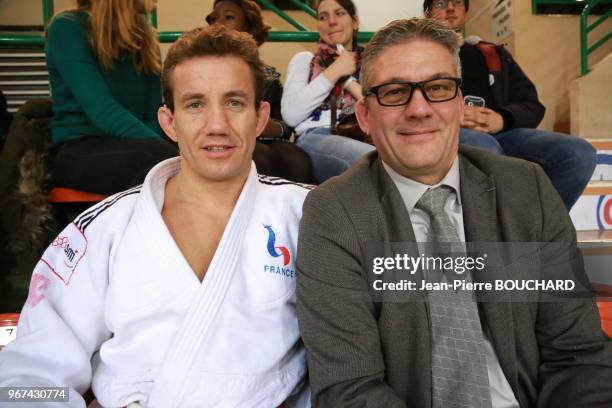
[{"x": 374, "y": 347}]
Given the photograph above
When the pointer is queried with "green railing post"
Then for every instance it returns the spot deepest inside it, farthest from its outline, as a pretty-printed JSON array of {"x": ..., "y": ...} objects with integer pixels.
[
  {"x": 585, "y": 29},
  {"x": 270, "y": 6},
  {"x": 47, "y": 9},
  {"x": 584, "y": 61},
  {"x": 154, "y": 18},
  {"x": 171, "y": 36},
  {"x": 21, "y": 40},
  {"x": 274, "y": 36}
]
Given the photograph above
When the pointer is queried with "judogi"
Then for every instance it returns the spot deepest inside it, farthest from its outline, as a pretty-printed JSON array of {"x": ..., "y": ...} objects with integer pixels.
[{"x": 114, "y": 305}]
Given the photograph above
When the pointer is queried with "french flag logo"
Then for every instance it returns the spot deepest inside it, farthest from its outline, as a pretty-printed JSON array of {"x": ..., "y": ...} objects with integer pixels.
[{"x": 274, "y": 250}]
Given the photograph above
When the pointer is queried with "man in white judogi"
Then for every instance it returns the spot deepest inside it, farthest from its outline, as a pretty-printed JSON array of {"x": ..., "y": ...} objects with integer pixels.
[{"x": 179, "y": 292}]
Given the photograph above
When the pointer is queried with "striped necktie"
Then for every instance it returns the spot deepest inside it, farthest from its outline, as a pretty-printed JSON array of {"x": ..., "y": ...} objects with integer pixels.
[{"x": 459, "y": 363}]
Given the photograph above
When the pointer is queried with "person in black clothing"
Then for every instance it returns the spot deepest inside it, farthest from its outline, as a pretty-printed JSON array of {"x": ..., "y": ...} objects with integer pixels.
[
  {"x": 274, "y": 155},
  {"x": 5, "y": 119},
  {"x": 512, "y": 110}
]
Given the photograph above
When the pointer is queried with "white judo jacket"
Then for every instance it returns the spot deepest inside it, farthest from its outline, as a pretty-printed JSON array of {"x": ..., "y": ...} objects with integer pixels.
[{"x": 114, "y": 305}]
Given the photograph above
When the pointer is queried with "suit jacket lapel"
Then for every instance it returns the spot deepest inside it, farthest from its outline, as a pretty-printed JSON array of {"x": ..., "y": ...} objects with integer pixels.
[
  {"x": 478, "y": 196},
  {"x": 398, "y": 229},
  {"x": 392, "y": 205}
]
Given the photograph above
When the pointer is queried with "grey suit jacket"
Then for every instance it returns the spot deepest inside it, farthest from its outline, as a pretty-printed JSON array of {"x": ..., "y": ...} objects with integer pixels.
[{"x": 366, "y": 353}]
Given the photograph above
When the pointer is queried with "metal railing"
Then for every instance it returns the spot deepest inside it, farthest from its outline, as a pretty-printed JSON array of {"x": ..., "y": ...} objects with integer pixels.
[
  {"x": 302, "y": 35},
  {"x": 270, "y": 6},
  {"x": 585, "y": 29},
  {"x": 47, "y": 7}
]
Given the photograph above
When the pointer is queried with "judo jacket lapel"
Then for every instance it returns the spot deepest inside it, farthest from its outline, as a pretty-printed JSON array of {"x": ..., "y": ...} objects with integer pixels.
[{"x": 195, "y": 329}]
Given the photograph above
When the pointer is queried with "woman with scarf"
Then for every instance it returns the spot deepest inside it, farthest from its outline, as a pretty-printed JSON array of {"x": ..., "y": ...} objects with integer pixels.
[
  {"x": 274, "y": 155},
  {"x": 327, "y": 80}
]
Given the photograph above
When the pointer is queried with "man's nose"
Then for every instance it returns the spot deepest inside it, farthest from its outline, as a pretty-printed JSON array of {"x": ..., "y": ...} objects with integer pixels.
[
  {"x": 217, "y": 121},
  {"x": 418, "y": 106}
]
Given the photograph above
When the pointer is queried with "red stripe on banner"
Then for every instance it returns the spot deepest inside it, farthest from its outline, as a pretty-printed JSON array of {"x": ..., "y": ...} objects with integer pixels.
[{"x": 605, "y": 312}]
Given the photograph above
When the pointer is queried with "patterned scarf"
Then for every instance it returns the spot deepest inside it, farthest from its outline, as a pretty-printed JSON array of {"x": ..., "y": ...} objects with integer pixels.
[{"x": 322, "y": 59}]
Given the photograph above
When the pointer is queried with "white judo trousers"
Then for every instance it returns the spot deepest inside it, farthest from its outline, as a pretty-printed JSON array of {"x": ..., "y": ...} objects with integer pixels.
[{"x": 114, "y": 305}]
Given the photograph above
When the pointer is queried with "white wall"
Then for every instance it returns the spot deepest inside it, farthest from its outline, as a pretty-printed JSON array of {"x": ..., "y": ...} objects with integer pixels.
[
  {"x": 374, "y": 14},
  {"x": 27, "y": 12}
]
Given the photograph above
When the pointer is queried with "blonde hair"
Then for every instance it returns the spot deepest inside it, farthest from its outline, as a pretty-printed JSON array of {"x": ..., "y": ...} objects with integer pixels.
[{"x": 122, "y": 25}]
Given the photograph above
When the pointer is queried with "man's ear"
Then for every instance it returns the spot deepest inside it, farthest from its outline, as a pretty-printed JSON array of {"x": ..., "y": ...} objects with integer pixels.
[
  {"x": 166, "y": 121},
  {"x": 263, "y": 115},
  {"x": 361, "y": 111},
  {"x": 461, "y": 105}
]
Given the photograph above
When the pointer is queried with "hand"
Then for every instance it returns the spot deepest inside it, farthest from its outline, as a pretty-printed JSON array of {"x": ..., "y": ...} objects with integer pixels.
[
  {"x": 344, "y": 65},
  {"x": 355, "y": 89},
  {"x": 482, "y": 119}
]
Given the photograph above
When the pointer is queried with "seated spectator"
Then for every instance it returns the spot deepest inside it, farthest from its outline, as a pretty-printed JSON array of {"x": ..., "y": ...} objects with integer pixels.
[
  {"x": 274, "y": 155},
  {"x": 5, "y": 119},
  {"x": 512, "y": 110},
  {"x": 164, "y": 295},
  {"x": 324, "y": 86},
  {"x": 381, "y": 338},
  {"x": 104, "y": 67}
]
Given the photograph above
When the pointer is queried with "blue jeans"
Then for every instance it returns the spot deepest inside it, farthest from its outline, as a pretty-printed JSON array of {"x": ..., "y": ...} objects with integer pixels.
[
  {"x": 568, "y": 160},
  {"x": 330, "y": 154},
  {"x": 481, "y": 140}
]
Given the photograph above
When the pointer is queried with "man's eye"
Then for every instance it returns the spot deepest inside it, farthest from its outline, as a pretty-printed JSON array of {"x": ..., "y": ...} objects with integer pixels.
[
  {"x": 395, "y": 92},
  {"x": 195, "y": 105},
  {"x": 438, "y": 88},
  {"x": 235, "y": 103}
]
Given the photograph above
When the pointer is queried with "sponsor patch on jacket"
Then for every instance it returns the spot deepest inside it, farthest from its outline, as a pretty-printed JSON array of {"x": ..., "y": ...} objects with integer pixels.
[
  {"x": 65, "y": 253},
  {"x": 38, "y": 286}
]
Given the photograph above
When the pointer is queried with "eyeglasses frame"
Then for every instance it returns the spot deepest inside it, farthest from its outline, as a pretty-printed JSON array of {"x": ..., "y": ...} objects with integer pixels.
[{"x": 413, "y": 85}]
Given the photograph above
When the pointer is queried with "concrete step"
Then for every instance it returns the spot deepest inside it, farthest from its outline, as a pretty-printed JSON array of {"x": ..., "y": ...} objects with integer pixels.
[{"x": 596, "y": 247}]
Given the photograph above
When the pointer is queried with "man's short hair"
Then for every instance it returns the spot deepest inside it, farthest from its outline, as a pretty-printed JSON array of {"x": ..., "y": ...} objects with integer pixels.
[
  {"x": 403, "y": 31},
  {"x": 213, "y": 41},
  {"x": 427, "y": 4}
]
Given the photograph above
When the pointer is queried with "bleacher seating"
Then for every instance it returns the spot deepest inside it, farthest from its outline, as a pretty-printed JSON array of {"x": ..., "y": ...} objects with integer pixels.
[
  {"x": 68, "y": 195},
  {"x": 23, "y": 75},
  {"x": 8, "y": 328}
]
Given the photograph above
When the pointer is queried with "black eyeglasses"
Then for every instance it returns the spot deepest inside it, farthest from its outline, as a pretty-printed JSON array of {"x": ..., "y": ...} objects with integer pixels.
[
  {"x": 440, "y": 4},
  {"x": 399, "y": 93}
]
